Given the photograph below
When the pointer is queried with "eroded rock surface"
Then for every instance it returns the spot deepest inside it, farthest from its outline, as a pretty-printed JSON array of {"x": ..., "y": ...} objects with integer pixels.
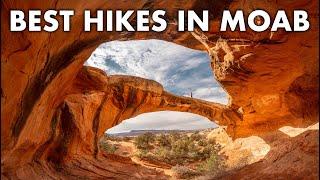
[
  {"x": 289, "y": 158},
  {"x": 51, "y": 114},
  {"x": 101, "y": 102}
]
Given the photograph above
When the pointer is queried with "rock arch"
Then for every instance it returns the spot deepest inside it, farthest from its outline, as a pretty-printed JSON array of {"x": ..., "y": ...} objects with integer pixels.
[{"x": 97, "y": 102}]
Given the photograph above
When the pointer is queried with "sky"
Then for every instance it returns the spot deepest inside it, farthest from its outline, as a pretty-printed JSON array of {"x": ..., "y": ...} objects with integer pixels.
[{"x": 179, "y": 69}]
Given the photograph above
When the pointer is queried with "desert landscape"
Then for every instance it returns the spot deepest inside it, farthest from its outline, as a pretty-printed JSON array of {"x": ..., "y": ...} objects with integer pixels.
[
  {"x": 183, "y": 154},
  {"x": 197, "y": 154},
  {"x": 55, "y": 110}
]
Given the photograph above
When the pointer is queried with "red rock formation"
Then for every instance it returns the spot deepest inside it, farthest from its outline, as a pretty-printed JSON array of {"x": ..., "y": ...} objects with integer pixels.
[
  {"x": 96, "y": 102},
  {"x": 289, "y": 158},
  {"x": 47, "y": 113}
]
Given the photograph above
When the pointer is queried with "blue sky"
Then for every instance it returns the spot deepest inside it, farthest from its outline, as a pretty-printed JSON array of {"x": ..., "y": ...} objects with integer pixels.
[{"x": 179, "y": 69}]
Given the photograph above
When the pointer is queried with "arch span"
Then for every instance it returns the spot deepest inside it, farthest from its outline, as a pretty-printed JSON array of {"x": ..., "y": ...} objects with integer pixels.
[
  {"x": 101, "y": 102},
  {"x": 96, "y": 102},
  {"x": 180, "y": 70}
]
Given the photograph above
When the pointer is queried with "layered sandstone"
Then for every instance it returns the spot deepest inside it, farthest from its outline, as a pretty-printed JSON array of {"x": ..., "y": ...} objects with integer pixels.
[
  {"x": 100, "y": 102},
  {"x": 289, "y": 158},
  {"x": 53, "y": 112}
]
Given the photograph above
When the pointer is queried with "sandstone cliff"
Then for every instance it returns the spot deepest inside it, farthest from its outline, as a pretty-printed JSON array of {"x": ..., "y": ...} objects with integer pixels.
[{"x": 51, "y": 113}]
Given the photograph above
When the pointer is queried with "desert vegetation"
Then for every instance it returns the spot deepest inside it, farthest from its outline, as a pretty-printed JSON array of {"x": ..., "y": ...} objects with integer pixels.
[
  {"x": 108, "y": 147},
  {"x": 187, "y": 155}
]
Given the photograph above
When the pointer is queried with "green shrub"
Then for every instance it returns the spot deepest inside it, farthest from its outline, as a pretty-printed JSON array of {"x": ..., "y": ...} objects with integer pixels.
[
  {"x": 202, "y": 142},
  {"x": 163, "y": 154},
  {"x": 144, "y": 141},
  {"x": 107, "y": 147},
  {"x": 142, "y": 153},
  {"x": 196, "y": 137},
  {"x": 177, "y": 149},
  {"x": 185, "y": 150},
  {"x": 182, "y": 172},
  {"x": 180, "y": 146},
  {"x": 112, "y": 138},
  {"x": 213, "y": 166},
  {"x": 174, "y": 136},
  {"x": 163, "y": 140}
]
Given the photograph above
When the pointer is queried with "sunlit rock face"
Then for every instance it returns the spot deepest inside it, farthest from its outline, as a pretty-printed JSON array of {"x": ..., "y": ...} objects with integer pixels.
[
  {"x": 292, "y": 155},
  {"x": 293, "y": 132},
  {"x": 239, "y": 152},
  {"x": 275, "y": 154}
]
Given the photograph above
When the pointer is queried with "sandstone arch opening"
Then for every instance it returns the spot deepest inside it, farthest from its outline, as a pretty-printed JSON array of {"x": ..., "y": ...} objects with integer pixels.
[
  {"x": 185, "y": 79},
  {"x": 163, "y": 121},
  {"x": 182, "y": 71},
  {"x": 153, "y": 141}
]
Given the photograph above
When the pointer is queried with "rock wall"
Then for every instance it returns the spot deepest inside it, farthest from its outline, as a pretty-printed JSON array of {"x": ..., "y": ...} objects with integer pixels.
[
  {"x": 289, "y": 158},
  {"x": 49, "y": 108}
]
